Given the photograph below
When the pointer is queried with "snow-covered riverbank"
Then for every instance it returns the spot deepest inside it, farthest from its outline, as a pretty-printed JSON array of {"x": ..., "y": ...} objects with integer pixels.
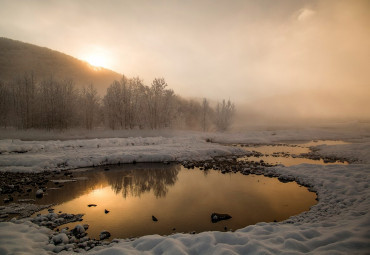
[
  {"x": 36, "y": 156},
  {"x": 338, "y": 224}
]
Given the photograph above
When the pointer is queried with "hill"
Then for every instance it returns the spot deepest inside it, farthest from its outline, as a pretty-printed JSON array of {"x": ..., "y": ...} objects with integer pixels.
[{"x": 17, "y": 57}]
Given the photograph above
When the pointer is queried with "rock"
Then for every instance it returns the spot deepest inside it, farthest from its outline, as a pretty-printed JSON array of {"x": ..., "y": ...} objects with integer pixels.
[
  {"x": 216, "y": 217},
  {"x": 39, "y": 193},
  {"x": 104, "y": 235},
  {"x": 73, "y": 240},
  {"x": 60, "y": 238},
  {"x": 78, "y": 231},
  {"x": 154, "y": 218}
]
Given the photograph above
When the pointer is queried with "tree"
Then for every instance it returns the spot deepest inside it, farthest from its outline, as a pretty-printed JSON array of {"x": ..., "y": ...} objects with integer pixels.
[
  {"x": 57, "y": 104},
  {"x": 224, "y": 114},
  {"x": 137, "y": 107},
  {"x": 205, "y": 114},
  {"x": 24, "y": 91},
  {"x": 158, "y": 99},
  {"x": 117, "y": 104},
  {"x": 5, "y": 104},
  {"x": 89, "y": 102}
]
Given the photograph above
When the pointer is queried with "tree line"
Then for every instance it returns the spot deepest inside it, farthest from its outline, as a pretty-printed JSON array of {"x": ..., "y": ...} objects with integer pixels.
[{"x": 26, "y": 103}]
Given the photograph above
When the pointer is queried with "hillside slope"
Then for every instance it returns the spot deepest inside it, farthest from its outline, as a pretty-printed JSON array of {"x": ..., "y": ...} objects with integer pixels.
[{"x": 17, "y": 57}]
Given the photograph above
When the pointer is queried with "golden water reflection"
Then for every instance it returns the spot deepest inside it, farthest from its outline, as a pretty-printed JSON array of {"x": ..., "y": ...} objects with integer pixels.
[
  {"x": 291, "y": 149},
  {"x": 181, "y": 199}
]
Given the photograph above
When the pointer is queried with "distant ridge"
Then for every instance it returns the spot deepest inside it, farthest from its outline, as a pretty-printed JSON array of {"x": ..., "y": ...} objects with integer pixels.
[{"x": 17, "y": 57}]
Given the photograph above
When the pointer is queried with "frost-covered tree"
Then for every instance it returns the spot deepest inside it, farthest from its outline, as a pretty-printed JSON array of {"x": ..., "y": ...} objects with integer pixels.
[
  {"x": 138, "y": 106},
  {"x": 5, "y": 104},
  {"x": 122, "y": 102},
  {"x": 57, "y": 104},
  {"x": 206, "y": 110},
  {"x": 128, "y": 103},
  {"x": 224, "y": 114},
  {"x": 160, "y": 104},
  {"x": 89, "y": 106},
  {"x": 24, "y": 92},
  {"x": 113, "y": 105}
]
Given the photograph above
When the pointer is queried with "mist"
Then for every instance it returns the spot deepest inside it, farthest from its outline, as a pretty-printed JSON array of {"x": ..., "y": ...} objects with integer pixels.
[{"x": 280, "y": 62}]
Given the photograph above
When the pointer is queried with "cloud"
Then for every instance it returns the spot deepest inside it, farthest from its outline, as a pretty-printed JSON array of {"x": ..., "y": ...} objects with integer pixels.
[{"x": 305, "y": 14}]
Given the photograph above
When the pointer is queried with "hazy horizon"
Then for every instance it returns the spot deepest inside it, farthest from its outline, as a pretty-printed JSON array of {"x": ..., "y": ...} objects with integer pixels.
[{"x": 276, "y": 60}]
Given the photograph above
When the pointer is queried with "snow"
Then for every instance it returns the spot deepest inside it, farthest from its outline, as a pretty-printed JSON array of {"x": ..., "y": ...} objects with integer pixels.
[
  {"x": 338, "y": 224},
  {"x": 60, "y": 238},
  {"x": 357, "y": 151},
  {"x": 39, "y": 156},
  {"x": 25, "y": 238}
]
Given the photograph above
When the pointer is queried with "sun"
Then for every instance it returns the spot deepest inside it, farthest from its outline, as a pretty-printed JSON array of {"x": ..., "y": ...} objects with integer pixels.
[
  {"x": 97, "y": 60},
  {"x": 96, "y": 56}
]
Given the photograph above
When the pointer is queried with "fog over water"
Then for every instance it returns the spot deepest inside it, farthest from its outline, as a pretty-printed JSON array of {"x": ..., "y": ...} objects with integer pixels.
[{"x": 280, "y": 61}]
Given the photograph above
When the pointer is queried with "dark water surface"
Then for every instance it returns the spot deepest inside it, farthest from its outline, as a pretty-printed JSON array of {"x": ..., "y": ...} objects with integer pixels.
[{"x": 182, "y": 200}]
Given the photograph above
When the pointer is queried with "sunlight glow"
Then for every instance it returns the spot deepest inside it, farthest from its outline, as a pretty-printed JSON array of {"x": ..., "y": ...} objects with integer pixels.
[
  {"x": 97, "y": 60},
  {"x": 99, "y": 192}
]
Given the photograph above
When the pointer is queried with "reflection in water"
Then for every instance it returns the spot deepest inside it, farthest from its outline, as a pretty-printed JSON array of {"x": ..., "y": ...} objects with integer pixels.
[
  {"x": 180, "y": 199},
  {"x": 136, "y": 181},
  {"x": 128, "y": 180},
  {"x": 288, "y": 154}
]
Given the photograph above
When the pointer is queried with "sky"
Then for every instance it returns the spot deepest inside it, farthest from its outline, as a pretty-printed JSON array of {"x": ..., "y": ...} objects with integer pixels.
[{"x": 302, "y": 58}]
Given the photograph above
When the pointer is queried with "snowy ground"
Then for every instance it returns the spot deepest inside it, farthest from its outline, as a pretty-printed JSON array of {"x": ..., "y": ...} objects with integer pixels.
[
  {"x": 338, "y": 224},
  {"x": 37, "y": 156}
]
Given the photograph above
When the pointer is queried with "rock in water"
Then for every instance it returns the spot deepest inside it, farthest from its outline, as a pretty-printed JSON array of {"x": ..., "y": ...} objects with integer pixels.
[
  {"x": 154, "y": 218},
  {"x": 216, "y": 217},
  {"x": 104, "y": 235},
  {"x": 78, "y": 231}
]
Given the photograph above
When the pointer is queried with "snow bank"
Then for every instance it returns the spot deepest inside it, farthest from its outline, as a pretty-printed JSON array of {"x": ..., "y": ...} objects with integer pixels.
[
  {"x": 36, "y": 156},
  {"x": 25, "y": 238},
  {"x": 358, "y": 151},
  {"x": 346, "y": 133}
]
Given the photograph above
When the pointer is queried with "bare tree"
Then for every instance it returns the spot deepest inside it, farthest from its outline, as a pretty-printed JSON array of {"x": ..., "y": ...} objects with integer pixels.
[
  {"x": 117, "y": 104},
  {"x": 5, "y": 104},
  {"x": 224, "y": 114},
  {"x": 128, "y": 103},
  {"x": 89, "y": 102},
  {"x": 138, "y": 113},
  {"x": 24, "y": 90},
  {"x": 205, "y": 114},
  {"x": 156, "y": 98},
  {"x": 57, "y": 104}
]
